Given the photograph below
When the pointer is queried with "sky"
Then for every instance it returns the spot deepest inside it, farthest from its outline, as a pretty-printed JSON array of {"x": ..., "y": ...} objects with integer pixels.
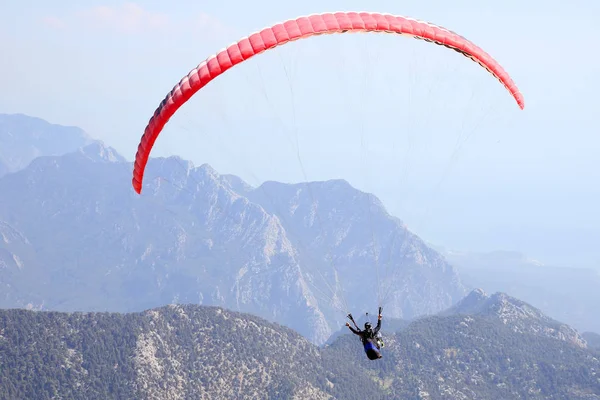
[{"x": 439, "y": 140}]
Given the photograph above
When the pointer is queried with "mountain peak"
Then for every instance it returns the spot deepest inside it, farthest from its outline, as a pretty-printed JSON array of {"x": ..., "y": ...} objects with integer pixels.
[
  {"x": 24, "y": 138},
  {"x": 173, "y": 165},
  {"x": 208, "y": 169},
  {"x": 38, "y": 127},
  {"x": 238, "y": 184},
  {"x": 97, "y": 151},
  {"x": 480, "y": 303},
  {"x": 207, "y": 172},
  {"x": 520, "y": 316}
]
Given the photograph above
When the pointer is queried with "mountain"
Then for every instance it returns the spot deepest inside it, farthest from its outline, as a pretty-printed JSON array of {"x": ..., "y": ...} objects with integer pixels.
[
  {"x": 568, "y": 294},
  {"x": 79, "y": 239},
  {"x": 23, "y": 138},
  {"x": 98, "y": 246},
  {"x": 484, "y": 347},
  {"x": 209, "y": 352},
  {"x": 516, "y": 314},
  {"x": 360, "y": 239}
]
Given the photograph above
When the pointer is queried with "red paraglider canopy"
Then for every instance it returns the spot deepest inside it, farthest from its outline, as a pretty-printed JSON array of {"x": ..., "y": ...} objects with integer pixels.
[{"x": 300, "y": 28}]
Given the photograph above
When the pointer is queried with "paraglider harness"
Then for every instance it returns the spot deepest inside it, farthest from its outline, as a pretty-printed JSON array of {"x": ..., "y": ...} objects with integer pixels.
[{"x": 378, "y": 338}]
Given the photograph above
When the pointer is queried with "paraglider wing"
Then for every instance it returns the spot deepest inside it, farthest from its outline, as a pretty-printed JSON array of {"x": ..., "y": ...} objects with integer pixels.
[{"x": 300, "y": 28}]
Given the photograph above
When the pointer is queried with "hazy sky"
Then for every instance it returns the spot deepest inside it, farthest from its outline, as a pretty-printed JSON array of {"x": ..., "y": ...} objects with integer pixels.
[{"x": 381, "y": 111}]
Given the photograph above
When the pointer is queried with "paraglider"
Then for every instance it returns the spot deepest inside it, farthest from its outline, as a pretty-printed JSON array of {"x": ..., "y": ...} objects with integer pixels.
[
  {"x": 370, "y": 338},
  {"x": 301, "y": 28}
]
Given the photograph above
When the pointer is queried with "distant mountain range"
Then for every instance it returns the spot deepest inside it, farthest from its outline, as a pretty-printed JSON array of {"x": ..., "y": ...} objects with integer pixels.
[
  {"x": 569, "y": 294},
  {"x": 486, "y": 347},
  {"x": 76, "y": 237},
  {"x": 24, "y": 138}
]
